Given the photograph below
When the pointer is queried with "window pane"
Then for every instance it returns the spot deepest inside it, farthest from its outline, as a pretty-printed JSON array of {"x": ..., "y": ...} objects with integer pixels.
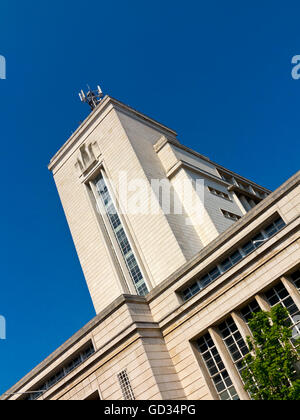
[
  {"x": 205, "y": 281},
  {"x": 248, "y": 310},
  {"x": 216, "y": 368},
  {"x": 279, "y": 295},
  {"x": 258, "y": 240},
  {"x": 215, "y": 273},
  {"x": 271, "y": 230},
  {"x": 236, "y": 257},
  {"x": 249, "y": 247}
]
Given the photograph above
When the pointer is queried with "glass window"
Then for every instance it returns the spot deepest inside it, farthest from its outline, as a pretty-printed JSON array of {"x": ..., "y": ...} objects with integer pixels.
[
  {"x": 125, "y": 386},
  {"x": 274, "y": 227},
  {"x": 195, "y": 288},
  {"x": 226, "y": 264},
  {"x": 270, "y": 230},
  {"x": 249, "y": 247},
  {"x": 88, "y": 352},
  {"x": 205, "y": 281},
  {"x": 258, "y": 240},
  {"x": 123, "y": 242},
  {"x": 187, "y": 294},
  {"x": 60, "y": 374},
  {"x": 234, "y": 342},
  {"x": 214, "y": 274},
  {"x": 217, "y": 371},
  {"x": 279, "y": 223},
  {"x": 230, "y": 215},
  {"x": 219, "y": 193}
]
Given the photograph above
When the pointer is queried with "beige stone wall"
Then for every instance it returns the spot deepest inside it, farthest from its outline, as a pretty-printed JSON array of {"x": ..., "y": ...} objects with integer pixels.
[{"x": 128, "y": 149}]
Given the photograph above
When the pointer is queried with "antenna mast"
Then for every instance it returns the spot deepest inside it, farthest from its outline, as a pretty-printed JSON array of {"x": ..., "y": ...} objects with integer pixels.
[{"x": 92, "y": 97}]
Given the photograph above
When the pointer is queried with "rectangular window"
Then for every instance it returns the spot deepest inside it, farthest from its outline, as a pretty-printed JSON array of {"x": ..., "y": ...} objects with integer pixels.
[
  {"x": 219, "y": 193},
  {"x": 217, "y": 371},
  {"x": 234, "y": 342},
  {"x": 279, "y": 295},
  {"x": 125, "y": 385},
  {"x": 121, "y": 237},
  {"x": 248, "y": 248},
  {"x": 205, "y": 281},
  {"x": 296, "y": 279},
  {"x": 231, "y": 260},
  {"x": 258, "y": 240},
  {"x": 228, "y": 178},
  {"x": 63, "y": 371},
  {"x": 274, "y": 227},
  {"x": 214, "y": 274},
  {"x": 250, "y": 309}
]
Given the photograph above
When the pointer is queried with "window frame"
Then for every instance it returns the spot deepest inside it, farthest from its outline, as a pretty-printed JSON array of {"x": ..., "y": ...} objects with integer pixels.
[{"x": 121, "y": 257}]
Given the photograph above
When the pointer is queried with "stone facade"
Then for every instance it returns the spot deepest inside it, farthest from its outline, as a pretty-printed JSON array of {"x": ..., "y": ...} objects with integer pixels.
[{"x": 147, "y": 347}]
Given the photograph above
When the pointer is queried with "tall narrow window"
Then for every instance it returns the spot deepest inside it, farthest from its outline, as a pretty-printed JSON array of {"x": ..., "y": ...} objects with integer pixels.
[
  {"x": 234, "y": 342},
  {"x": 125, "y": 386},
  {"x": 216, "y": 369},
  {"x": 121, "y": 237}
]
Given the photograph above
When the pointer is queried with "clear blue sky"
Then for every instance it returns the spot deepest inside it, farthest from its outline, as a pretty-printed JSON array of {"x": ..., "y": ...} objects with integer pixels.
[{"x": 217, "y": 72}]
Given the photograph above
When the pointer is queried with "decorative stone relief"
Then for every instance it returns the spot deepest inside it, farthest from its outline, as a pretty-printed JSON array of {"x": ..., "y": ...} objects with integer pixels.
[{"x": 87, "y": 158}]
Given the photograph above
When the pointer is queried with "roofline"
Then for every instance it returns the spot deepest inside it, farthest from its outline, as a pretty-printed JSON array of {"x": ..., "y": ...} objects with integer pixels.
[
  {"x": 96, "y": 113},
  {"x": 119, "y": 301}
]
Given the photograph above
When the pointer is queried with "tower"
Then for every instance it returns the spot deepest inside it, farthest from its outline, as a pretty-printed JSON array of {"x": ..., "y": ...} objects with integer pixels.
[{"x": 140, "y": 204}]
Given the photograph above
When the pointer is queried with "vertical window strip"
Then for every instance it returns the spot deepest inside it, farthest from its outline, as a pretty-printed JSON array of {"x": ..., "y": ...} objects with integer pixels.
[
  {"x": 121, "y": 237},
  {"x": 219, "y": 193},
  {"x": 125, "y": 386},
  {"x": 217, "y": 371},
  {"x": 279, "y": 295},
  {"x": 234, "y": 343}
]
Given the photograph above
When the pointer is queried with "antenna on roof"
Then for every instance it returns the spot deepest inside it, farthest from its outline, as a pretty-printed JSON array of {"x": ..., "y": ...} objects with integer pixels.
[{"x": 92, "y": 97}]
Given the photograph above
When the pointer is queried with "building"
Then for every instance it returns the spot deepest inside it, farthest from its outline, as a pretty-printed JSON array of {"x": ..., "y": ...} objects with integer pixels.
[{"x": 173, "y": 289}]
